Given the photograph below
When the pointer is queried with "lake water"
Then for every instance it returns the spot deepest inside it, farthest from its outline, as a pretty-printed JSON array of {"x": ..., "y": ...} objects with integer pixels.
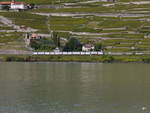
[{"x": 74, "y": 88}]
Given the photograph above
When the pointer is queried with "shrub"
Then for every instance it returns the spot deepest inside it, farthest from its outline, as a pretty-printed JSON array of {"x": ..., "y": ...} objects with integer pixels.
[
  {"x": 73, "y": 45},
  {"x": 146, "y": 60},
  {"x": 98, "y": 47},
  {"x": 107, "y": 58}
]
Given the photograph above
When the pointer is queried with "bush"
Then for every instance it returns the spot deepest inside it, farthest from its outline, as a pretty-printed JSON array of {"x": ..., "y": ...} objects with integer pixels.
[
  {"x": 73, "y": 45},
  {"x": 107, "y": 58},
  {"x": 98, "y": 47},
  {"x": 146, "y": 60},
  {"x": 14, "y": 58},
  {"x": 42, "y": 44}
]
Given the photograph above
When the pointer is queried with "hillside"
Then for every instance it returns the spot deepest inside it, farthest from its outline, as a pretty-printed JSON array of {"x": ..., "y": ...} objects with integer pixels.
[
  {"x": 67, "y": 1},
  {"x": 122, "y": 26}
]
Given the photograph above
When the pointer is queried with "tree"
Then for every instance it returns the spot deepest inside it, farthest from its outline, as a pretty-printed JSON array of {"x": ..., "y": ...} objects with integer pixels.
[
  {"x": 42, "y": 44},
  {"x": 73, "y": 45},
  {"x": 98, "y": 47},
  {"x": 56, "y": 39}
]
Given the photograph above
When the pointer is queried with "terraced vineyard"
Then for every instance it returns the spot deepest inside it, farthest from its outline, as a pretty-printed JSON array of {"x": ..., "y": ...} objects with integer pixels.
[{"x": 121, "y": 26}]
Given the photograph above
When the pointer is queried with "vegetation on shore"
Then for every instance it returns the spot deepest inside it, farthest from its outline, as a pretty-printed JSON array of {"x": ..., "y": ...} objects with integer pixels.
[{"x": 93, "y": 58}]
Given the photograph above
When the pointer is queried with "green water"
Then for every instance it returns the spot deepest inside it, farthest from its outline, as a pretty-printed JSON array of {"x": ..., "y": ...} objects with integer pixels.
[{"x": 74, "y": 88}]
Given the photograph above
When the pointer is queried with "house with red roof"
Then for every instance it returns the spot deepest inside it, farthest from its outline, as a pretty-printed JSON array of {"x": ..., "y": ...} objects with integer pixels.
[
  {"x": 13, "y": 5},
  {"x": 29, "y": 37}
]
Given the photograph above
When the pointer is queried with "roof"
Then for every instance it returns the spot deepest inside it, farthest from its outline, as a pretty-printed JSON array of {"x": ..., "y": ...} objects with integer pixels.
[
  {"x": 5, "y": 3},
  {"x": 88, "y": 45},
  {"x": 17, "y": 2},
  {"x": 8, "y": 3},
  {"x": 34, "y": 35}
]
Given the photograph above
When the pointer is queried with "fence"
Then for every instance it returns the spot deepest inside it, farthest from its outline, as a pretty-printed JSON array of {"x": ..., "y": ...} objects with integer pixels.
[{"x": 68, "y": 53}]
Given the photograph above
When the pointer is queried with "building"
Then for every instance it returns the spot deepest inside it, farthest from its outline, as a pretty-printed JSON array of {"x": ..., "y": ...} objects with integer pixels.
[
  {"x": 88, "y": 47},
  {"x": 13, "y": 5},
  {"x": 29, "y": 37},
  {"x": 18, "y": 6},
  {"x": 5, "y": 5}
]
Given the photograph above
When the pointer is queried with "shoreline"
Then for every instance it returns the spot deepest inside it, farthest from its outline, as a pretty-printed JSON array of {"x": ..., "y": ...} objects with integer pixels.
[{"x": 82, "y": 59}]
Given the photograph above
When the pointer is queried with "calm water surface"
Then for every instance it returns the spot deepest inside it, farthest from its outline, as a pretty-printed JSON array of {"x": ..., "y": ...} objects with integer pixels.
[{"x": 74, "y": 88}]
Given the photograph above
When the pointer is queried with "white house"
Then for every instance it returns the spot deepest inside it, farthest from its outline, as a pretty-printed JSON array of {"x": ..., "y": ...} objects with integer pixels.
[
  {"x": 13, "y": 5},
  {"x": 88, "y": 47},
  {"x": 18, "y": 5}
]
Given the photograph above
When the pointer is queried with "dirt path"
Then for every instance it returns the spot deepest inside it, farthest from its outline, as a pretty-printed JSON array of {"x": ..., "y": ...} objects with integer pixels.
[
  {"x": 108, "y": 4},
  {"x": 94, "y": 14}
]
